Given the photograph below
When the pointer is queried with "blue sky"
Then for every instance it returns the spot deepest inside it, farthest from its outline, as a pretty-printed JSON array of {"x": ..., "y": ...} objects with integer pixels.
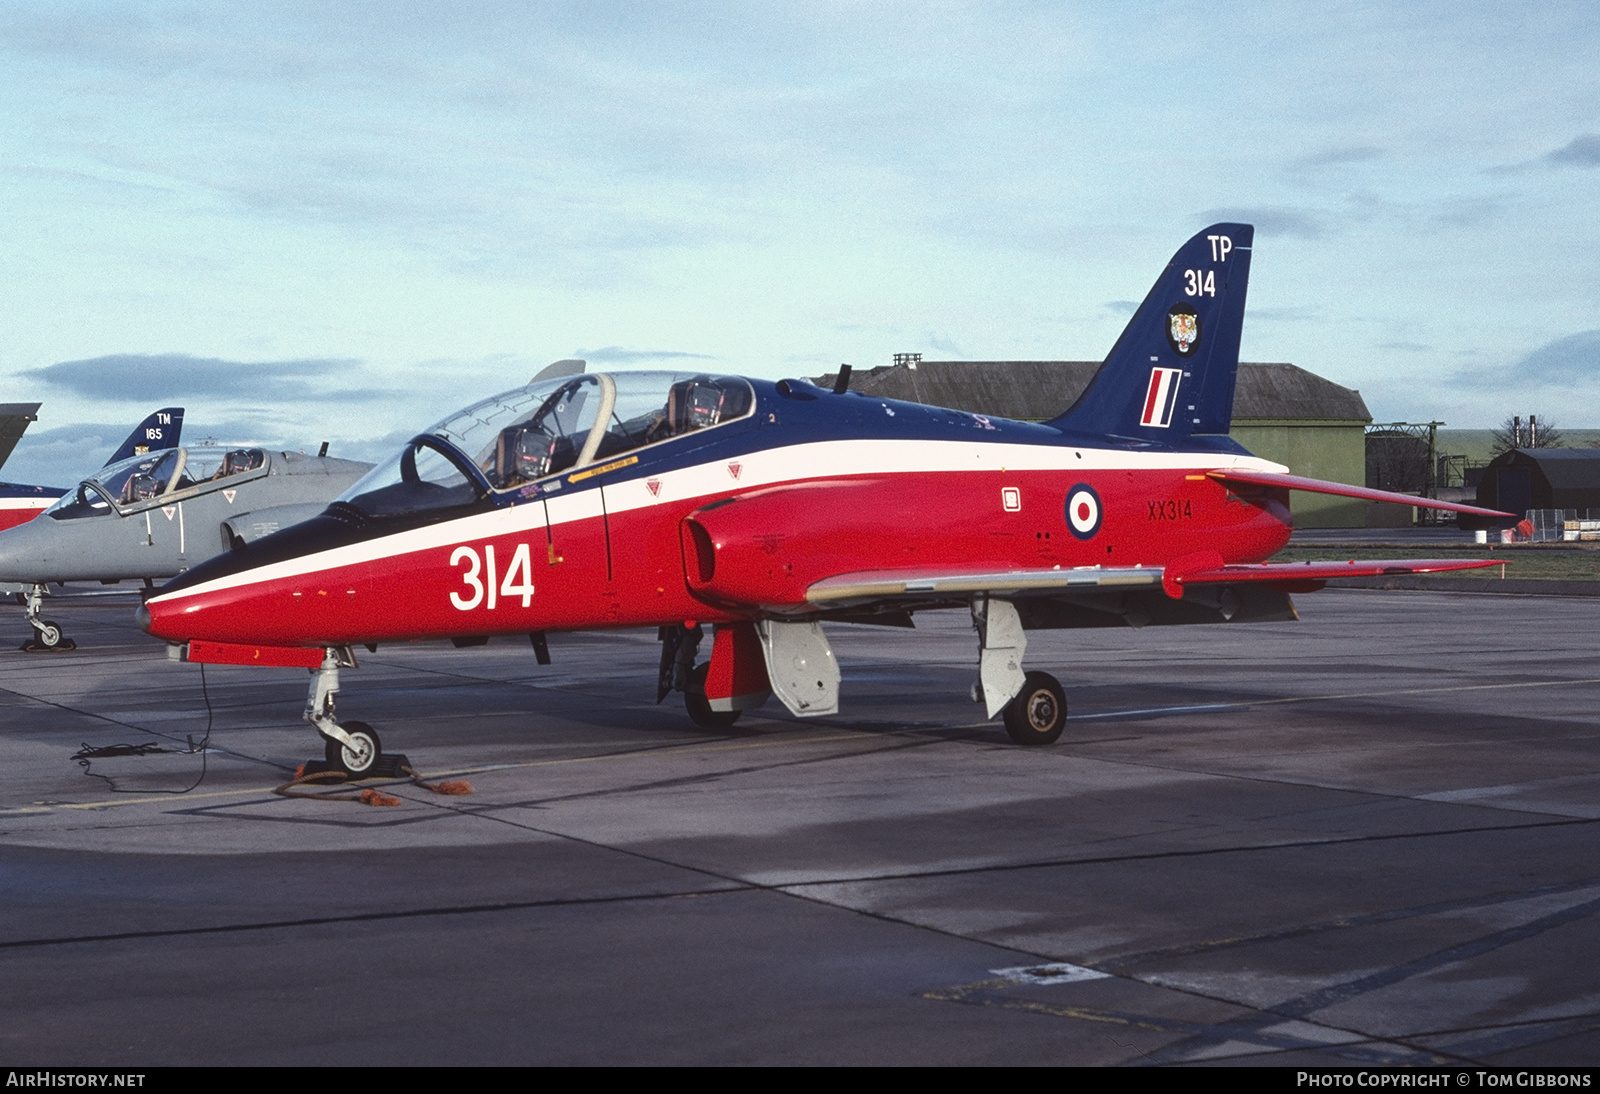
[{"x": 339, "y": 222}]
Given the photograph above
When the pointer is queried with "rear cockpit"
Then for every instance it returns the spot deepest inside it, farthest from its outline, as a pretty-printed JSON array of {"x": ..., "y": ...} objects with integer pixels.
[{"x": 592, "y": 419}]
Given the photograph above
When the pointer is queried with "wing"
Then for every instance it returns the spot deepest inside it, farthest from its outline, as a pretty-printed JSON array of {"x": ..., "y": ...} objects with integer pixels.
[
  {"x": 1343, "y": 490},
  {"x": 909, "y": 589},
  {"x": 1307, "y": 576},
  {"x": 876, "y": 586}
]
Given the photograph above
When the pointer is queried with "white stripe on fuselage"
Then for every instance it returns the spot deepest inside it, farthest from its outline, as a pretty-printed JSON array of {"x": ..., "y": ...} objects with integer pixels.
[{"x": 822, "y": 461}]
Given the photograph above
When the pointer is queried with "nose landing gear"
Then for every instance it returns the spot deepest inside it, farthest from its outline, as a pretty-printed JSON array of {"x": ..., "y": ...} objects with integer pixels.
[
  {"x": 47, "y": 635},
  {"x": 353, "y": 747}
]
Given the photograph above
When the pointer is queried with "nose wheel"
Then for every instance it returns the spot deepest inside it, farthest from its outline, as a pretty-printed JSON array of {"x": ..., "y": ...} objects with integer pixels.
[
  {"x": 47, "y": 635},
  {"x": 360, "y": 756}
]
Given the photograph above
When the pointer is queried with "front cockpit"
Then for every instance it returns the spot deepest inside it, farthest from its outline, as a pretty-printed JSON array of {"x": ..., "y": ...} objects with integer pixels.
[{"x": 508, "y": 442}]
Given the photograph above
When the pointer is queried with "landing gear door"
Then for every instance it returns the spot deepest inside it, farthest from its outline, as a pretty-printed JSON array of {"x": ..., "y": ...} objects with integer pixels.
[{"x": 800, "y": 666}]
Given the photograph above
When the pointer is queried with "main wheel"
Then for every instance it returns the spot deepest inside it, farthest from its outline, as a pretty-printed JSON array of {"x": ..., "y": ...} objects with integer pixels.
[
  {"x": 1038, "y": 714},
  {"x": 699, "y": 707},
  {"x": 359, "y": 760},
  {"x": 47, "y": 634}
]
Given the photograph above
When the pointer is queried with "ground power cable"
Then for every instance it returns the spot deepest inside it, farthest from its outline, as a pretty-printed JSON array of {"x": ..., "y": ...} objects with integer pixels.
[{"x": 89, "y": 753}]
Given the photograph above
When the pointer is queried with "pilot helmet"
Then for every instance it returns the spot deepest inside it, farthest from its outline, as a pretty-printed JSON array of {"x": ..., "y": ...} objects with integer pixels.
[
  {"x": 531, "y": 452},
  {"x": 140, "y": 487},
  {"x": 703, "y": 406}
]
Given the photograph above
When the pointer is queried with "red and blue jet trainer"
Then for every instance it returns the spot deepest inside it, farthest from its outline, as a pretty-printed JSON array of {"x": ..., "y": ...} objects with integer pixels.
[{"x": 675, "y": 500}]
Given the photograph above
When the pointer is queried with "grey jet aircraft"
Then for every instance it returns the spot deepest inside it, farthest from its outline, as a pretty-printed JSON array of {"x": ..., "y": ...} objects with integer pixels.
[{"x": 152, "y": 516}]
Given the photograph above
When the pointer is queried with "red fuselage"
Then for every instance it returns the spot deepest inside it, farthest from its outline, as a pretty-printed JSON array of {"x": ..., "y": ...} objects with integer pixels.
[
  {"x": 735, "y": 527},
  {"x": 23, "y": 504}
]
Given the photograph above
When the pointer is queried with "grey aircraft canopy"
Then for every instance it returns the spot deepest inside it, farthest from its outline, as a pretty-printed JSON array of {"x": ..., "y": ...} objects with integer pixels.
[{"x": 153, "y": 516}]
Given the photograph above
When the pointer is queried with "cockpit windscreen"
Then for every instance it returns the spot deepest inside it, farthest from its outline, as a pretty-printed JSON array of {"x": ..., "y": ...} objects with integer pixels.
[{"x": 556, "y": 425}]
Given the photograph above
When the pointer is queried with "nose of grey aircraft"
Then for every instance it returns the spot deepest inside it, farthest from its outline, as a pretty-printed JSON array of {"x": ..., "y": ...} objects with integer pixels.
[
  {"x": 141, "y": 616},
  {"x": 25, "y": 554}
]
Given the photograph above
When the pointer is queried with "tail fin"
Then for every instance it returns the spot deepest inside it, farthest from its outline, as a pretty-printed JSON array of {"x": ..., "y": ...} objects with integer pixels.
[
  {"x": 160, "y": 431},
  {"x": 14, "y": 419},
  {"x": 1171, "y": 373}
]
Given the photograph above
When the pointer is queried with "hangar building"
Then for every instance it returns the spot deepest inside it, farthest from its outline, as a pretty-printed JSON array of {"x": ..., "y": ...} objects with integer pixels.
[
  {"x": 1280, "y": 412},
  {"x": 1542, "y": 478}
]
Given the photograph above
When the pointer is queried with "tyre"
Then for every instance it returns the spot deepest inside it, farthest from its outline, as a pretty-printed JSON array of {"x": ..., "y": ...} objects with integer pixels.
[
  {"x": 1039, "y": 712},
  {"x": 360, "y": 760},
  {"x": 47, "y": 634},
  {"x": 699, "y": 707}
]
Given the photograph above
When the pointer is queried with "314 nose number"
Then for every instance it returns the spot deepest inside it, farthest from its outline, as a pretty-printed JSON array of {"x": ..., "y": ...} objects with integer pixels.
[{"x": 483, "y": 584}]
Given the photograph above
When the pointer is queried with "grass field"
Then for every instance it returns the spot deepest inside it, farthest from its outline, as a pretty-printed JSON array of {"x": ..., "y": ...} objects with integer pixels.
[{"x": 1530, "y": 562}]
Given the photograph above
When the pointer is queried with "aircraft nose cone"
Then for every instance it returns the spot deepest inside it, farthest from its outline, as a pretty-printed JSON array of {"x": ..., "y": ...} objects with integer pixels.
[{"x": 141, "y": 616}]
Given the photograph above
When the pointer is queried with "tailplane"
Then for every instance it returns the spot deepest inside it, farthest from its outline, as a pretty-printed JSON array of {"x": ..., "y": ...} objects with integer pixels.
[
  {"x": 160, "y": 431},
  {"x": 1171, "y": 373}
]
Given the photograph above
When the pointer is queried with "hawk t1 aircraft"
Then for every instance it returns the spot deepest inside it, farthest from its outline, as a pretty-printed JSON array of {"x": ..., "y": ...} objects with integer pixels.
[
  {"x": 763, "y": 509},
  {"x": 154, "y": 514},
  {"x": 20, "y": 504}
]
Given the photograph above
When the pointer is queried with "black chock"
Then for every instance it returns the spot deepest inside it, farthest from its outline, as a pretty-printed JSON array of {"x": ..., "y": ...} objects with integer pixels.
[
  {"x": 64, "y": 646},
  {"x": 390, "y": 765}
]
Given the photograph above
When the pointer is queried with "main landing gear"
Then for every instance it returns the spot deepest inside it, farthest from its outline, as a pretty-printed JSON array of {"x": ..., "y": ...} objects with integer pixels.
[
  {"x": 1032, "y": 703},
  {"x": 1038, "y": 713},
  {"x": 736, "y": 677},
  {"x": 792, "y": 659},
  {"x": 47, "y": 635},
  {"x": 353, "y": 747},
  {"x": 678, "y": 672}
]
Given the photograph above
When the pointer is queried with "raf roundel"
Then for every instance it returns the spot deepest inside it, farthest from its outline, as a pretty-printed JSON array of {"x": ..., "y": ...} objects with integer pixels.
[{"x": 1083, "y": 511}]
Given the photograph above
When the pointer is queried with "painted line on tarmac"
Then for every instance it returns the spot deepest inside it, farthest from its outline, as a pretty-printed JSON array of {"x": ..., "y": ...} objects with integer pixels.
[
  {"x": 377, "y": 917},
  {"x": 1347, "y": 922},
  {"x": 51, "y": 807},
  {"x": 1244, "y": 703},
  {"x": 1181, "y": 853},
  {"x": 687, "y": 749}
]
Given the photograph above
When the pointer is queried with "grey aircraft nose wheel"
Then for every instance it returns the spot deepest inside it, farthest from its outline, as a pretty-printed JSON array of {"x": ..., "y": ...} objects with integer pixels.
[
  {"x": 47, "y": 636},
  {"x": 1038, "y": 714},
  {"x": 359, "y": 760}
]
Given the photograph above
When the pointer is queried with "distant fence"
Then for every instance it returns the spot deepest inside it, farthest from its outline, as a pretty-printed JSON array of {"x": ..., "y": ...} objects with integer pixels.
[{"x": 1564, "y": 524}]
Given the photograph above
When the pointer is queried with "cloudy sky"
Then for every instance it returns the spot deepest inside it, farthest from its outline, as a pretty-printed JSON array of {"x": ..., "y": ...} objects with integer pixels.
[{"x": 340, "y": 221}]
